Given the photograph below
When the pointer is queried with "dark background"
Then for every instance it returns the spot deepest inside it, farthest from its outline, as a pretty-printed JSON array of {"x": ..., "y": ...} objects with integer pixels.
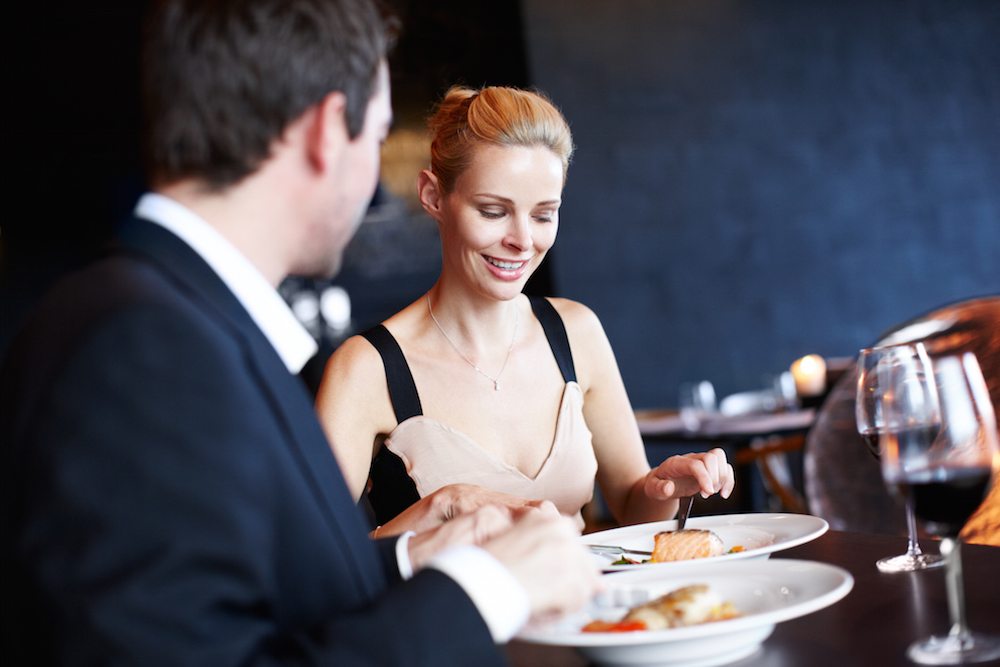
[
  {"x": 754, "y": 181},
  {"x": 760, "y": 180}
]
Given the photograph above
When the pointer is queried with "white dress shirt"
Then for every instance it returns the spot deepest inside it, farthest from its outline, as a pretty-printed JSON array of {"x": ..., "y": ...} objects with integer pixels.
[{"x": 499, "y": 597}]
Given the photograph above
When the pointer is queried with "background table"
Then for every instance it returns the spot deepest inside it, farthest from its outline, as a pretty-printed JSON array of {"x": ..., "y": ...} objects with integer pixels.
[
  {"x": 764, "y": 448},
  {"x": 873, "y": 625}
]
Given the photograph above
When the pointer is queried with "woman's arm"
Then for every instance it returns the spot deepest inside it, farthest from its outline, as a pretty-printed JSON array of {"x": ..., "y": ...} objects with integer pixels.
[
  {"x": 633, "y": 492},
  {"x": 353, "y": 406}
]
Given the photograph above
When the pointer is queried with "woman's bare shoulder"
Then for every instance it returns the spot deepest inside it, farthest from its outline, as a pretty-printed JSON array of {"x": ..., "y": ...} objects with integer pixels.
[
  {"x": 579, "y": 319},
  {"x": 354, "y": 395},
  {"x": 592, "y": 352},
  {"x": 358, "y": 360},
  {"x": 355, "y": 365}
]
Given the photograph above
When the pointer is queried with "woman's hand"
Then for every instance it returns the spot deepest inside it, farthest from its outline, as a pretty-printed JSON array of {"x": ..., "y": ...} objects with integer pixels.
[
  {"x": 453, "y": 501},
  {"x": 706, "y": 473}
]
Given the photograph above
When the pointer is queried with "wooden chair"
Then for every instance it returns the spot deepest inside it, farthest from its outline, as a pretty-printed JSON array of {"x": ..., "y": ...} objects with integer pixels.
[{"x": 771, "y": 456}]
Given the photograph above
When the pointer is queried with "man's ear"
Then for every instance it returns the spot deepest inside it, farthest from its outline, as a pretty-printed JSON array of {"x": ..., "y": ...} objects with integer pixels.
[
  {"x": 429, "y": 192},
  {"x": 328, "y": 131}
]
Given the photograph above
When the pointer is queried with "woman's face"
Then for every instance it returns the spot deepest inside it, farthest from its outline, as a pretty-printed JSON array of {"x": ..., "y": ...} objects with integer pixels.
[{"x": 501, "y": 217}]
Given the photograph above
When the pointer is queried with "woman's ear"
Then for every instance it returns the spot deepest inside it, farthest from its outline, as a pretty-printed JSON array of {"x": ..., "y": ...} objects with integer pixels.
[{"x": 429, "y": 192}]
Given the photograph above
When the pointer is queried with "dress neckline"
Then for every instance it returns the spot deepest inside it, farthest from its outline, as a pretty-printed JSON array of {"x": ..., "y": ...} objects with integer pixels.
[{"x": 498, "y": 462}]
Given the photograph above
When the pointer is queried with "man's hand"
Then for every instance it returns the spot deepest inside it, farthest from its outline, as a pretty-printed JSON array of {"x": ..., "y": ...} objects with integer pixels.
[
  {"x": 540, "y": 548},
  {"x": 450, "y": 502},
  {"x": 473, "y": 528},
  {"x": 543, "y": 552}
]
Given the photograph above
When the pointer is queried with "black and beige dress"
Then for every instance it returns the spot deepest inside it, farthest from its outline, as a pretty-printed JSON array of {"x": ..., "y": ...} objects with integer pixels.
[{"x": 422, "y": 454}]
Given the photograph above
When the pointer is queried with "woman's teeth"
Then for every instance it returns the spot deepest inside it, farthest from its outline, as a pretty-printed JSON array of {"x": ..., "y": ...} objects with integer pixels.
[{"x": 507, "y": 266}]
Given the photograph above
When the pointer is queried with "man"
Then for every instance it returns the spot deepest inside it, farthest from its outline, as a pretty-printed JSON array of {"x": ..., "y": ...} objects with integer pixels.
[{"x": 169, "y": 497}]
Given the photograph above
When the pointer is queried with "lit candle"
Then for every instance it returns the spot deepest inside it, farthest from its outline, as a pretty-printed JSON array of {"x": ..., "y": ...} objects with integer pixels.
[{"x": 810, "y": 375}]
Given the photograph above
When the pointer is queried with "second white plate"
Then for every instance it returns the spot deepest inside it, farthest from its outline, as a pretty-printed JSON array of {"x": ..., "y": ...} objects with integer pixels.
[
  {"x": 759, "y": 535},
  {"x": 766, "y": 592}
]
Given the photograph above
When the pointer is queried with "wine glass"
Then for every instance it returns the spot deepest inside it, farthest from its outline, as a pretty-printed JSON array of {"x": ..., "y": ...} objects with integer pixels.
[
  {"x": 947, "y": 477},
  {"x": 885, "y": 371},
  {"x": 697, "y": 403}
]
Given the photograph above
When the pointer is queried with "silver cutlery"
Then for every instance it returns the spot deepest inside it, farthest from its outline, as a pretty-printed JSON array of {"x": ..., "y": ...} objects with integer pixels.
[
  {"x": 684, "y": 511},
  {"x": 611, "y": 549}
]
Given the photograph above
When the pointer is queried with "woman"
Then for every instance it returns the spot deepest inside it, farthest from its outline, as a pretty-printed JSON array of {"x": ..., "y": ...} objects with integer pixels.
[{"x": 518, "y": 398}]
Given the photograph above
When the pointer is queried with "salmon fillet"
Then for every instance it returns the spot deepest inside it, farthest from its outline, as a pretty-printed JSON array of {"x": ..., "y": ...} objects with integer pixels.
[{"x": 685, "y": 545}]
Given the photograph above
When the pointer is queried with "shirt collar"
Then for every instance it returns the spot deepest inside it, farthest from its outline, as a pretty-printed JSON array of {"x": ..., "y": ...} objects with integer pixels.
[{"x": 266, "y": 307}]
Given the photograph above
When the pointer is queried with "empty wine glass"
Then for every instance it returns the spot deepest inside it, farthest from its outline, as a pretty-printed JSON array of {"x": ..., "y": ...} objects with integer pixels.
[
  {"x": 885, "y": 371},
  {"x": 947, "y": 477}
]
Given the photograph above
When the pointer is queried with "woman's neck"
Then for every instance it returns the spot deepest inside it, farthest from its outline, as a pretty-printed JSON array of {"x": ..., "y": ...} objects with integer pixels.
[{"x": 476, "y": 323}]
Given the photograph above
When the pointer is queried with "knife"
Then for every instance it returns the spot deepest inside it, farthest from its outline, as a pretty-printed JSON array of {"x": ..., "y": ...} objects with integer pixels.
[{"x": 683, "y": 511}]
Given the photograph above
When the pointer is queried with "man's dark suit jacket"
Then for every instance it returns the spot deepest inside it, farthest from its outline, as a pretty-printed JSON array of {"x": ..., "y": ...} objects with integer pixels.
[{"x": 170, "y": 498}]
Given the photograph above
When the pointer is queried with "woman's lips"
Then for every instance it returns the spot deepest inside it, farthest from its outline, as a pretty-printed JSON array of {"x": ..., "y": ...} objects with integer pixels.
[{"x": 506, "y": 269}]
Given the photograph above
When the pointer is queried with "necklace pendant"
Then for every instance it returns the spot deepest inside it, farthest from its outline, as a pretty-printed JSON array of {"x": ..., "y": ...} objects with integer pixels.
[{"x": 496, "y": 385}]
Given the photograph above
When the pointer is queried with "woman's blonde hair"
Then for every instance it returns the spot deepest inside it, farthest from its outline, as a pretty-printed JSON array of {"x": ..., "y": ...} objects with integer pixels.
[{"x": 504, "y": 116}]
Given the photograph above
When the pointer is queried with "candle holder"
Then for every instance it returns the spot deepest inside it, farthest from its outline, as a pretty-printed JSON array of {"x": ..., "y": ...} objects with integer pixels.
[{"x": 810, "y": 377}]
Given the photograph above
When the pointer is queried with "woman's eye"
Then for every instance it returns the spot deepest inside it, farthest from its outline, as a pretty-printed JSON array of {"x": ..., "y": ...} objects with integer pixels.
[
  {"x": 491, "y": 214},
  {"x": 544, "y": 217}
]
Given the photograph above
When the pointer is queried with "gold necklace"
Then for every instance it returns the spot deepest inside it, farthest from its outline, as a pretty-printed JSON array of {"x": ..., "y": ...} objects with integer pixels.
[{"x": 494, "y": 380}]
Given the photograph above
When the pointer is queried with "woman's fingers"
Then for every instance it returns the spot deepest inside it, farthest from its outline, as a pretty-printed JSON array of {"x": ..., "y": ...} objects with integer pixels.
[{"x": 705, "y": 473}]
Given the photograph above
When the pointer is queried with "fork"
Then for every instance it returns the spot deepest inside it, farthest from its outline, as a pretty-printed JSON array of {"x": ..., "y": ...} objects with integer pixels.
[{"x": 612, "y": 549}]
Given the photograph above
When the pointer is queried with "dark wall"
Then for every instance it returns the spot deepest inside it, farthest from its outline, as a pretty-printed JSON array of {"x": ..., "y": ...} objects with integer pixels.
[
  {"x": 72, "y": 140},
  {"x": 75, "y": 135},
  {"x": 759, "y": 180}
]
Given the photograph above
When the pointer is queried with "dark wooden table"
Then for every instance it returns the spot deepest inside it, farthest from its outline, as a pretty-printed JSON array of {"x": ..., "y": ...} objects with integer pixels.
[
  {"x": 666, "y": 425},
  {"x": 873, "y": 625}
]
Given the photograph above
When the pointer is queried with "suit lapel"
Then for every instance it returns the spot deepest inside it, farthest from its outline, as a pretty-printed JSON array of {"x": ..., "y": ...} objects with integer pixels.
[{"x": 286, "y": 392}]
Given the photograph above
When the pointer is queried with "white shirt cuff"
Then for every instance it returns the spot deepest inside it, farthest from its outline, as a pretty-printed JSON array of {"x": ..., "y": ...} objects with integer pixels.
[
  {"x": 403, "y": 555},
  {"x": 498, "y": 595}
]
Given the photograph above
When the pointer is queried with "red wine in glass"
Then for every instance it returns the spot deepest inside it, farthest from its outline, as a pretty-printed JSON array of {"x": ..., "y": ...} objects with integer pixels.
[
  {"x": 944, "y": 500},
  {"x": 898, "y": 371},
  {"x": 945, "y": 476}
]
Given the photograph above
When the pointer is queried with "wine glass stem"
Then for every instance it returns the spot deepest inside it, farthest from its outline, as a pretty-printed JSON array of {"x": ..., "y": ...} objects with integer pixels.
[
  {"x": 951, "y": 550},
  {"x": 913, "y": 548}
]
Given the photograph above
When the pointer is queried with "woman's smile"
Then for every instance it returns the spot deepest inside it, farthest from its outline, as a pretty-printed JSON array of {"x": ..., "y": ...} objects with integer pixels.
[{"x": 506, "y": 269}]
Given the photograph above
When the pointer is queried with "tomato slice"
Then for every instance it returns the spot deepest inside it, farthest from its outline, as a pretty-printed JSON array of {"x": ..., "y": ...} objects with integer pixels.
[{"x": 617, "y": 626}]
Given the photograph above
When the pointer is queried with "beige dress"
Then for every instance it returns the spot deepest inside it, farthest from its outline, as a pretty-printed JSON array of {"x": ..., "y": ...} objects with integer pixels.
[
  {"x": 423, "y": 454},
  {"x": 435, "y": 455}
]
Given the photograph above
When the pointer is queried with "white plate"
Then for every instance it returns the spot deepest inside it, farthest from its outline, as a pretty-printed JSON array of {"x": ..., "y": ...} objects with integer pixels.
[
  {"x": 760, "y": 535},
  {"x": 765, "y": 592}
]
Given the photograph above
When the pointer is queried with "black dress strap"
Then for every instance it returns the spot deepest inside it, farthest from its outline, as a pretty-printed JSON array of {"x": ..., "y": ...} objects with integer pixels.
[
  {"x": 392, "y": 490},
  {"x": 402, "y": 390},
  {"x": 555, "y": 332}
]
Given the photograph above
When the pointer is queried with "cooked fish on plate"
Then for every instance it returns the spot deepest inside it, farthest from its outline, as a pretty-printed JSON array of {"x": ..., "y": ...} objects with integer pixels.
[
  {"x": 688, "y": 605},
  {"x": 660, "y": 545},
  {"x": 671, "y": 545},
  {"x": 726, "y": 620}
]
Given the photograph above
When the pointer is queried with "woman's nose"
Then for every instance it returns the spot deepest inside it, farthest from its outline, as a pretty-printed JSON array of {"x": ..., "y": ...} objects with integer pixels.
[{"x": 519, "y": 233}]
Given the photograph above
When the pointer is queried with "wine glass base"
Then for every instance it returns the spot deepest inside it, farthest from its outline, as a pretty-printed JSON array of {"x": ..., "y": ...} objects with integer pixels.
[
  {"x": 909, "y": 562},
  {"x": 954, "y": 649}
]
